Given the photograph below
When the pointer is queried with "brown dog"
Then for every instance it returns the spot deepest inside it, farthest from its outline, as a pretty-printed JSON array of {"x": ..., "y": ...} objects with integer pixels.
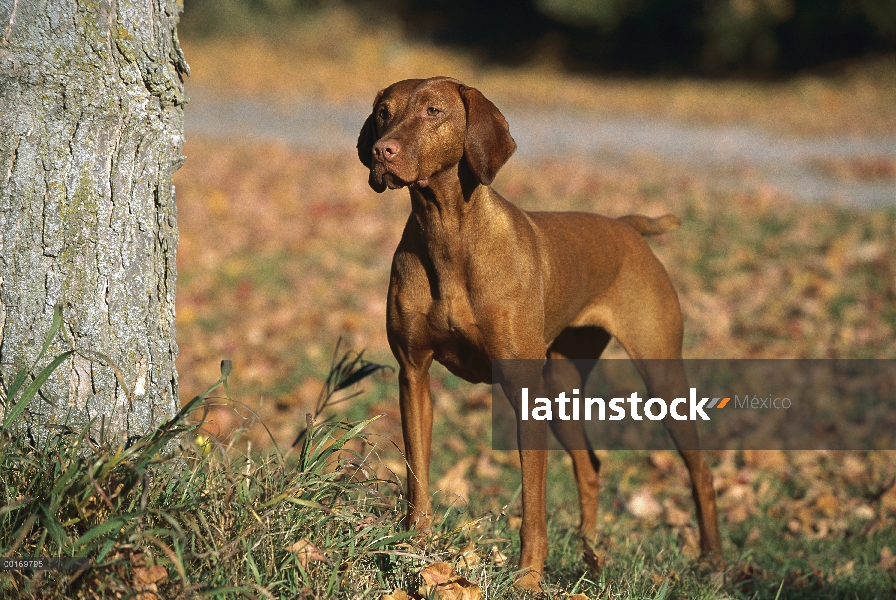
[{"x": 475, "y": 279}]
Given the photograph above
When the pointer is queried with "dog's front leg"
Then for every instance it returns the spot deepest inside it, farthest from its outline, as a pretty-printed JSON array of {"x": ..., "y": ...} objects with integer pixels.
[
  {"x": 533, "y": 531},
  {"x": 415, "y": 402},
  {"x": 532, "y": 443}
]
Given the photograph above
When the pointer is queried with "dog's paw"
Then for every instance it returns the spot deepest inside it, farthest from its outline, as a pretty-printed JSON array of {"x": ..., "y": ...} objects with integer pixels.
[
  {"x": 528, "y": 580},
  {"x": 596, "y": 558}
]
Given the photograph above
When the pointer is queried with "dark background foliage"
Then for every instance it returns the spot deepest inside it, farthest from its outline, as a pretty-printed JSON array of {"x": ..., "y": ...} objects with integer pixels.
[{"x": 708, "y": 37}]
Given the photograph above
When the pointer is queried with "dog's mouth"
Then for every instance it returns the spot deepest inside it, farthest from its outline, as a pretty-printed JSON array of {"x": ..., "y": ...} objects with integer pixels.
[{"x": 382, "y": 177}]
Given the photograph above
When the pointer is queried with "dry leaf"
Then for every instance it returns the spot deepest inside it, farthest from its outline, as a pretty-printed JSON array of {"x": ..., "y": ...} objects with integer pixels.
[
  {"x": 467, "y": 557},
  {"x": 737, "y": 513},
  {"x": 844, "y": 569},
  {"x": 643, "y": 504},
  {"x": 486, "y": 468},
  {"x": 396, "y": 594},
  {"x": 888, "y": 500},
  {"x": 827, "y": 504},
  {"x": 577, "y": 597},
  {"x": 739, "y": 492},
  {"x": 595, "y": 558},
  {"x": 437, "y": 574},
  {"x": 448, "y": 585},
  {"x": 754, "y": 536},
  {"x": 662, "y": 460},
  {"x": 769, "y": 461},
  {"x": 455, "y": 482},
  {"x": 887, "y": 559},
  {"x": 306, "y": 551},
  {"x": 497, "y": 557},
  {"x": 853, "y": 468},
  {"x": 864, "y": 512},
  {"x": 146, "y": 576},
  {"x": 822, "y": 528},
  {"x": 675, "y": 517}
]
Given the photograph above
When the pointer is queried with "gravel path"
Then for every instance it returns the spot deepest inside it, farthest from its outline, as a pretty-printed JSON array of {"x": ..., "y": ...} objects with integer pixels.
[{"x": 731, "y": 156}]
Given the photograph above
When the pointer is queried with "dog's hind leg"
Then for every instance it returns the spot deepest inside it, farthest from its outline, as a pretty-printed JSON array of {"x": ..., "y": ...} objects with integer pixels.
[
  {"x": 585, "y": 344},
  {"x": 656, "y": 351}
]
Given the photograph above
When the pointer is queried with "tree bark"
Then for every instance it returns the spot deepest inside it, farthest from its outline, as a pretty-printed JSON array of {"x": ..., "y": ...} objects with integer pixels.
[{"x": 91, "y": 131}]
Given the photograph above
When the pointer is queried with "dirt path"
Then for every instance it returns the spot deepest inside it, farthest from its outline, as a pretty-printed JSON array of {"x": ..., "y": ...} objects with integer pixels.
[{"x": 855, "y": 170}]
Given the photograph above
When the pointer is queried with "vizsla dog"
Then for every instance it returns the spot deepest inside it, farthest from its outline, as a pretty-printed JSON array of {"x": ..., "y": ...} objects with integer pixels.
[{"x": 476, "y": 279}]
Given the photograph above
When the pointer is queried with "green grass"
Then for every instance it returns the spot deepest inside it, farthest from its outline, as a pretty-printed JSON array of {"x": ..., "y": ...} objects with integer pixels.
[{"x": 178, "y": 514}]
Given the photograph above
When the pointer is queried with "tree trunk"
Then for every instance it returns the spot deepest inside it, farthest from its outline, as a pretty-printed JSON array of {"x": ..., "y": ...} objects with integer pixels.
[{"x": 91, "y": 131}]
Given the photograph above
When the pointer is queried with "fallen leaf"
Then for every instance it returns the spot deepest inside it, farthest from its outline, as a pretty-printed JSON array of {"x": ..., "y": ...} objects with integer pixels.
[
  {"x": 827, "y": 504},
  {"x": 769, "y": 461},
  {"x": 396, "y": 594},
  {"x": 662, "y": 460},
  {"x": 888, "y": 500},
  {"x": 150, "y": 575},
  {"x": 306, "y": 551},
  {"x": 672, "y": 576},
  {"x": 675, "y": 517},
  {"x": 440, "y": 578},
  {"x": 467, "y": 557},
  {"x": 887, "y": 559},
  {"x": 577, "y": 597},
  {"x": 754, "y": 536},
  {"x": 864, "y": 512},
  {"x": 437, "y": 574},
  {"x": 737, "y": 513},
  {"x": 739, "y": 492},
  {"x": 455, "y": 482},
  {"x": 853, "y": 468},
  {"x": 486, "y": 468},
  {"x": 643, "y": 504},
  {"x": 595, "y": 558},
  {"x": 845, "y": 569},
  {"x": 497, "y": 557},
  {"x": 821, "y": 528}
]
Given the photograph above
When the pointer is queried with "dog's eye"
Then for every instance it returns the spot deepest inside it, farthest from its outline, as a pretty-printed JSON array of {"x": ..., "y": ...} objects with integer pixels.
[
  {"x": 383, "y": 113},
  {"x": 432, "y": 111}
]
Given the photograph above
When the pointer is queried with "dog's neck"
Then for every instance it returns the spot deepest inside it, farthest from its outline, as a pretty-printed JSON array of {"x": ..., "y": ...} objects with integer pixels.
[
  {"x": 447, "y": 199},
  {"x": 447, "y": 211}
]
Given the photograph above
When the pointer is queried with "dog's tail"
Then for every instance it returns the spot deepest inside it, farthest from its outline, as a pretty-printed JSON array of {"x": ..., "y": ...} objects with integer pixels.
[{"x": 650, "y": 226}]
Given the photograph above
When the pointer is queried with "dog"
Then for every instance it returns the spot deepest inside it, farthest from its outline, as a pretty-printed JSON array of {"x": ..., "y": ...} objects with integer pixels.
[{"x": 475, "y": 279}]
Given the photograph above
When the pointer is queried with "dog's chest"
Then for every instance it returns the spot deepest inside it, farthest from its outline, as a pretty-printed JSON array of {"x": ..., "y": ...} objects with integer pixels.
[
  {"x": 457, "y": 340},
  {"x": 451, "y": 319}
]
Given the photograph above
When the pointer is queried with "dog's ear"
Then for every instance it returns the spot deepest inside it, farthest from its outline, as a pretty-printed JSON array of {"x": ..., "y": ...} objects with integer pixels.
[
  {"x": 488, "y": 144},
  {"x": 368, "y": 136}
]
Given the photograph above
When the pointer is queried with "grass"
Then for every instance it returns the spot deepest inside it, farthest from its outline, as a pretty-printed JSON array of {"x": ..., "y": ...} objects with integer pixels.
[
  {"x": 179, "y": 514},
  {"x": 203, "y": 520}
]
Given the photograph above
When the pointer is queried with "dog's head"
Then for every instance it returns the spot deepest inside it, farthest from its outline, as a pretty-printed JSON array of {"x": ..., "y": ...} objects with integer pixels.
[{"x": 420, "y": 127}]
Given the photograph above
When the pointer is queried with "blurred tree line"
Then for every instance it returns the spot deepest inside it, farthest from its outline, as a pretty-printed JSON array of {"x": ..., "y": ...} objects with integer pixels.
[{"x": 759, "y": 37}]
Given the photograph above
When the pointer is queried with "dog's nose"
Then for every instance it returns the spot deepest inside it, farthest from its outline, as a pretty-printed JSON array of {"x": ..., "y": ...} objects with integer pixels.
[{"x": 385, "y": 150}]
